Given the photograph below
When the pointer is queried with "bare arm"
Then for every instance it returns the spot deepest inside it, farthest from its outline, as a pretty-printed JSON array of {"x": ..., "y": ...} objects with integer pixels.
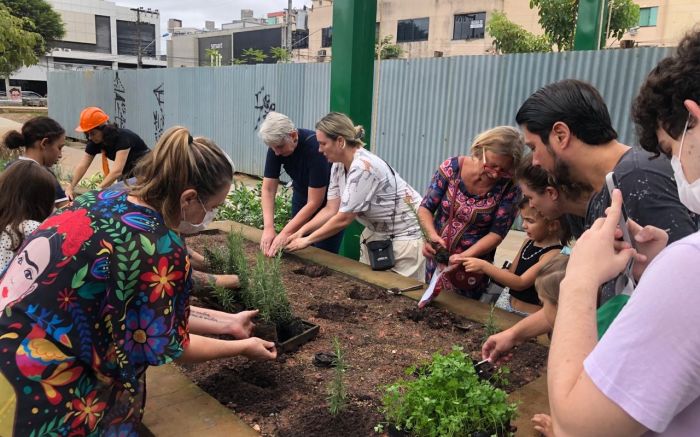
[
  {"x": 331, "y": 208},
  {"x": 269, "y": 191},
  {"x": 507, "y": 278},
  {"x": 336, "y": 224},
  {"x": 202, "y": 349},
  {"x": 427, "y": 221},
  {"x": 78, "y": 173},
  {"x": 485, "y": 245},
  {"x": 116, "y": 171},
  {"x": 313, "y": 203}
]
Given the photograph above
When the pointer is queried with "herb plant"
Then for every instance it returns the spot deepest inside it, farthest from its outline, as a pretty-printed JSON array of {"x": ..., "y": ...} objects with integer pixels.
[
  {"x": 446, "y": 399},
  {"x": 266, "y": 291},
  {"x": 92, "y": 182},
  {"x": 230, "y": 259},
  {"x": 337, "y": 394},
  {"x": 490, "y": 326}
]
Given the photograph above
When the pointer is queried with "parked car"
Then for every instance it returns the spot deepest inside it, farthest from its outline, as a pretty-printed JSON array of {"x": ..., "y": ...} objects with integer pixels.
[{"x": 30, "y": 98}]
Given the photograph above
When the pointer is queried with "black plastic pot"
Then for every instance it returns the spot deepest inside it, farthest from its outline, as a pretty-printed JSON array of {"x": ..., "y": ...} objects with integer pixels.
[{"x": 308, "y": 333}]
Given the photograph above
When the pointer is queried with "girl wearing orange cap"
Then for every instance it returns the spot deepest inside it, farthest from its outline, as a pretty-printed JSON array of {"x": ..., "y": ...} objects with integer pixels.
[{"x": 117, "y": 144}]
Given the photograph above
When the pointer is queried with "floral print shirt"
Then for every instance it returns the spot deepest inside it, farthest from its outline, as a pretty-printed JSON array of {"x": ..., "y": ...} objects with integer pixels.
[{"x": 97, "y": 294}]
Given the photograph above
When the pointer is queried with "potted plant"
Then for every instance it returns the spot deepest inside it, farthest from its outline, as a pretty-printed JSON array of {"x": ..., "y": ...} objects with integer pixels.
[{"x": 446, "y": 398}]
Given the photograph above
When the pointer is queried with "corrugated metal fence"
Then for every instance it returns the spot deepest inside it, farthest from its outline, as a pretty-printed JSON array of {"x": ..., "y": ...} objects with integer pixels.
[{"x": 429, "y": 109}]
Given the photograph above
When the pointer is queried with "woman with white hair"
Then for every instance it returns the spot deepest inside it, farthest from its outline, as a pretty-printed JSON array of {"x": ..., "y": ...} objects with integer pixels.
[{"x": 297, "y": 151}]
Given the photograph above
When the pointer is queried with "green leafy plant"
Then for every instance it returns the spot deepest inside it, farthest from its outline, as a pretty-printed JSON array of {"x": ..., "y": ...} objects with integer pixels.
[
  {"x": 230, "y": 259},
  {"x": 337, "y": 393},
  {"x": 280, "y": 54},
  {"x": 266, "y": 292},
  {"x": 226, "y": 297},
  {"x": 386, "y": 49},
  {"x": 509, "y": 37},
  {"x": 254, "y": 56},
  {"x": 445, "y": 399},
  {"x": 243, "y": 205},
  {"x": 92, "y": 182}
]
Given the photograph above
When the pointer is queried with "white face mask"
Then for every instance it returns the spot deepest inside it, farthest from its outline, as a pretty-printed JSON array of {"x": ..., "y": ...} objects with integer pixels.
[
  {"x": 688, "y": 193},
  {"x": 186, "y": 227}
]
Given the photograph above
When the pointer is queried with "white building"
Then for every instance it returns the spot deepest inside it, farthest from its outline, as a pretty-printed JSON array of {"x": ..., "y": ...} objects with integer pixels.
[{"x": 99, "y": 35}]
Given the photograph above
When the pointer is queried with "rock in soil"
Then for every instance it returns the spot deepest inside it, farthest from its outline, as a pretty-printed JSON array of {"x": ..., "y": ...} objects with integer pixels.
[{"x": 324, "y": 359}]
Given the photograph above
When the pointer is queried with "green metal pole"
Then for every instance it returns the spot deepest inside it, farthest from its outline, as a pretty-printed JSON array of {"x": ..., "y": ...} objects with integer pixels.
[
  {"x": 591, "y": 24},
  {"x": 352, "y": 74}
]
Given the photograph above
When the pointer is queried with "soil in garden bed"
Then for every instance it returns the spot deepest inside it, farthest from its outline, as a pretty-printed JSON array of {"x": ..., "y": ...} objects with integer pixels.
[{"x": 380, "y": 334}]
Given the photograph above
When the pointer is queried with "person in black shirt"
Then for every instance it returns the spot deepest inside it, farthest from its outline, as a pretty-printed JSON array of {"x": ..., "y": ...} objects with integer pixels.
[
  {"x": 297, "y": 151},
  {"x": 117, "y": 144}
]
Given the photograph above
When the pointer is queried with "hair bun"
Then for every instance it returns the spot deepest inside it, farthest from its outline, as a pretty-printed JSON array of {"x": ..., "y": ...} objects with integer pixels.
[
  {"x": 14, "y": 140},
  {"x": 359, "y": 132}
]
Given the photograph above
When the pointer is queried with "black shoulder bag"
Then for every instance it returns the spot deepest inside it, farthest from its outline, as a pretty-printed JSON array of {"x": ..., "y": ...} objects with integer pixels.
[{"x": 381, "y": 252}]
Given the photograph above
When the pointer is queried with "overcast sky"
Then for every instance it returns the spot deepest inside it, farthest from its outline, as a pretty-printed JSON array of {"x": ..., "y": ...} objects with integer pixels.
[{"x": 193, "y": 13}]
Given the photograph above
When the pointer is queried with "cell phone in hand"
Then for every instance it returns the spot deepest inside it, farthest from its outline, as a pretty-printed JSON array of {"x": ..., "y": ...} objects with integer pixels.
[{"x": 611, "y": 182}]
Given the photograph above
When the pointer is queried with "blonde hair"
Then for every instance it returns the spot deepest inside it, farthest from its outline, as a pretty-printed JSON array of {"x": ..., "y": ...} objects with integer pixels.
[
  {"x": 336, "y": 125},
  {"x": 549, "y": 278},
  {"x": 501, "y": 140},
  {"x": 275, "y": 129},
  {"x": 177, "y": 163}
]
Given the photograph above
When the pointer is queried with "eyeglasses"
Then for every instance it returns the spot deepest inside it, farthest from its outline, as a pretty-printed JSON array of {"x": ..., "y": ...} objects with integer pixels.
[{"x": 494, "y": 168}]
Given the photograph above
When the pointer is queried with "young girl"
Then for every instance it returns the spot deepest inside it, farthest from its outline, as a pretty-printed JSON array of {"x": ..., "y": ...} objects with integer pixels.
[
  {"x": 547, "y": 285},
  {"x": 42, "y": 139},
  {"x": 545, "y": 239},
  {"x": 27, "y": 199}
]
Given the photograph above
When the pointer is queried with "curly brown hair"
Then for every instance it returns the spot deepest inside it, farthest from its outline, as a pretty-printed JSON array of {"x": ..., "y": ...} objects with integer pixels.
[{"x": 660, "y": 99}]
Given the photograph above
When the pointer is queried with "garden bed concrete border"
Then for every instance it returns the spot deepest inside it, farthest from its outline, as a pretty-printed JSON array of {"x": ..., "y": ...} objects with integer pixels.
[{"x": 176, "y": 406}]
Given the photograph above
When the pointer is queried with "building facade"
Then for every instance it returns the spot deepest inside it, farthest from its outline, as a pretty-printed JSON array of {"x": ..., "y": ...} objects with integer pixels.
[
  {"x": 99, "y": 35},
  {"x": 455, "y": 27}
]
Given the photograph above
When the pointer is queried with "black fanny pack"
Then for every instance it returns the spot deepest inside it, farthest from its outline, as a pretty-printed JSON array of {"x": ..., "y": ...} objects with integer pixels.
[{"x": 380, "y": 254}]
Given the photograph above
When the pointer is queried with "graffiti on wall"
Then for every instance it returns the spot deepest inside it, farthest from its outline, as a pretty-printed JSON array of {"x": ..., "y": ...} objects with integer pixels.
[
  {"x": 119, "y": 101},
  {"x": 264, "y": 105},
  {"x": 158, "y": 114}
]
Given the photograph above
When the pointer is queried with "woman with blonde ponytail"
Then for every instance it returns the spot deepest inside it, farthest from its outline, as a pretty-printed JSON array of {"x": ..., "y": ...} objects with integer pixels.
[
  {"x": 101, "y": 291},
  {"x": 364, "y": 187}
]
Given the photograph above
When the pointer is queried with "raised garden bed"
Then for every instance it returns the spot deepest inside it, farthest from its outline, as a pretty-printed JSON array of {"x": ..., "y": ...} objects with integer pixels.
[{"x": 381, "y": 335}]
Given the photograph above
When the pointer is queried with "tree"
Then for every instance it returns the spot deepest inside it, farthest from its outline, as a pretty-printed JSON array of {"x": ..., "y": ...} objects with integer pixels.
[
  {"x": 280, "y": 54},
  {"x": 254, "y": 56},
  {"x": 509, "y": 37},
  {"x": 558, "y": 19},
  {"x": 16, "y": 44},
  {"x": 387, "y": 49},
  {"x": 214, "y": 57},
  {"x": 41, "y": 18}
]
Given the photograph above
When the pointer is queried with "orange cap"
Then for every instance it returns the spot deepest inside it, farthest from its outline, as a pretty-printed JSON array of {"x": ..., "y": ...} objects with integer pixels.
[{"x": 90, "y": 118}]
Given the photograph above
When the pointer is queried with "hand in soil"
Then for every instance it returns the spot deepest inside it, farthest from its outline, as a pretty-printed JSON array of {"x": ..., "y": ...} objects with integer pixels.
[
  {"x": 277, "y": 244},
  {"x": 298, "y": 244},
  {"x": 268, "y": 237},
  {"x": 240, "y": 325},
  {"x": 543, "y": 424},
  {"x": 257, "y": 349},
  {"x": 497, "y": 348}
]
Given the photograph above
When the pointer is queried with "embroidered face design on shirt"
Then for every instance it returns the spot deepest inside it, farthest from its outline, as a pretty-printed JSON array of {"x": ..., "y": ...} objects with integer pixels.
[{"x": 24, "y": 270}]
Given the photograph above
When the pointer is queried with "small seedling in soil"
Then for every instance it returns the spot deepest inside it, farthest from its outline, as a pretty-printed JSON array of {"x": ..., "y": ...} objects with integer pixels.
[
  {"x": 225, "y": 297},
  {"x": 446, "y": 397},
  {"x": 490, "y": 327},
  {"x": 337, "y": 393}
]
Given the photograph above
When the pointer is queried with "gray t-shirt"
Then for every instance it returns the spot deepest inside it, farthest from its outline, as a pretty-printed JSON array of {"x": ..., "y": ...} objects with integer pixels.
[
  {"x": 650, "y": 196},
  {"x": 378, "y": 196}
]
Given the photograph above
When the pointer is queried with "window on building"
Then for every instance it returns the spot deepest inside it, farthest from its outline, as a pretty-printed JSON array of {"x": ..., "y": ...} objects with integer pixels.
[
  {"x": 412, "y": 30},
  {"x": 326, "y": 36},
  {"x": 469, "y": 26},
  {"x": 647, "y": 16}
]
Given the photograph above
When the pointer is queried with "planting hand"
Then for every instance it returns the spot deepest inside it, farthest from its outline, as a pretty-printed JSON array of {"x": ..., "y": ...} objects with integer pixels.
[
  {"x": 69, "y": 193},
  {"x": 429, "y": 250},
  {"x": 278, "y": 244},
  {"x": 240, "y": 325},
  {"x": 543, "y": 424},
  {"x": 473, "y": 265},
  {"x": 268, "y": 237},
  {"x": 258, "y": 349},
  {"x": 298, "y": 244},
  {"x": 497, "y": 347}
]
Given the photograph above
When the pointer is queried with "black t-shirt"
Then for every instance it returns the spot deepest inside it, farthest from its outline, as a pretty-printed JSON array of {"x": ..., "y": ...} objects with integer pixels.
[
  {"x": 650, "y": 196},
  {"x": 60, "y": 194},
  {"x": 306, "y": 165},
  {"x": 126, "y": 139},
  {"x": 529, "y": 256}
]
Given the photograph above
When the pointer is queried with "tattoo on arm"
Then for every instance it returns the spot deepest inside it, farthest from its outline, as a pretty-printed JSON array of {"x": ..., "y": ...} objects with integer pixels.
[
  {"x": 203, "y": 315},
  {"x": 202, "y": 279}
]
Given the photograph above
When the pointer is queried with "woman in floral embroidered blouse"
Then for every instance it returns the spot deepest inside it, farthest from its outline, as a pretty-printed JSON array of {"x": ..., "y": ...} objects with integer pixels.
[
  {"x": 101, "y": 291},
  {"x": 479, "y": 191}
]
